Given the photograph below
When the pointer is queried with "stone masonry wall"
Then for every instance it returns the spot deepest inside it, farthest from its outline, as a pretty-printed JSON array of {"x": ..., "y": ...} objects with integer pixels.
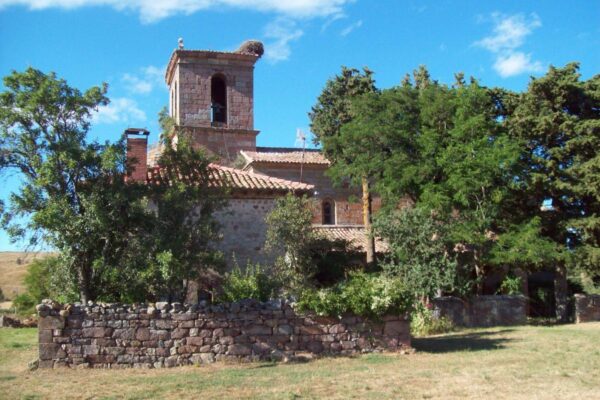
[
  {"x": 244, "y": 231},
  {"x": 482, "y": 311},
  {"x": 587, "y": 308},
  {"x": 167, "y": 335}
]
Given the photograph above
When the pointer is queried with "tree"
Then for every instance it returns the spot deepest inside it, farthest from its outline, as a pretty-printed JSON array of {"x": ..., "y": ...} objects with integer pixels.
[
  {"x": 557, "y": 121},
  {"x": 420, "y": 253},
  {"x": 183, "y": 231},
  {"x": 289, "y": 233},
  {"x": 71, "y": 196},
  {"x": 328, "y": 116}
]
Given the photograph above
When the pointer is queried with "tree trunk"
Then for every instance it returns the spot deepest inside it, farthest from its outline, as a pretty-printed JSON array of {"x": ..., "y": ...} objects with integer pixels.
[
  {"x": 560, "y": 293},
  {"x": 84, "y": 283},
  {"x": 367, "y": 219},
  {"x": 478, "y": 273}
]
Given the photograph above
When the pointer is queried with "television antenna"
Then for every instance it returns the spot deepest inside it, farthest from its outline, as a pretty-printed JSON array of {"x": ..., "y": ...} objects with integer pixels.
[{"x": 301, "y": 140}]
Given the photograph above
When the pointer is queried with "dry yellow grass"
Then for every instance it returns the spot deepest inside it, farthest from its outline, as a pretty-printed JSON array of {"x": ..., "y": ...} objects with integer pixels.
[
  {"x": 560, "y": 362},
  {"x": 13, "y": 266}
]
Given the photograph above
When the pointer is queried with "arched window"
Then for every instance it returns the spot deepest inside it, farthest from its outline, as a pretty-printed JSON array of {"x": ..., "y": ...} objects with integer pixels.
[
  {"x": 218, "y": 98},
  {"x": 328, "y": 212}
]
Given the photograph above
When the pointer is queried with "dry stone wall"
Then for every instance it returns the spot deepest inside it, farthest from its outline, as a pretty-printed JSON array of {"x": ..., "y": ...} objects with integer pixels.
[
  {"x": 587, "y": 308},
  {"x": 482, "y": 311},
  {"x": 167, "y": 335}
]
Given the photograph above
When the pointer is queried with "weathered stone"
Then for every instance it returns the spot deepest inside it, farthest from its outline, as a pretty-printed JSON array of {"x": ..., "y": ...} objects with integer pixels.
[
  {"x": 202, "y": 358},
  {"x": 285, "y": 329},
  {"x": 394, "y": 328},
  {"x": 238, "y": 350},
  {"x": 142, "y": 334},
  {"x": 257, "y": 330},
  {"x": 51, "y": 323},
  {"x": 179, "y": 333},
  {"x": 96, "y": 332},
  {"x": 47, "y": 351}
]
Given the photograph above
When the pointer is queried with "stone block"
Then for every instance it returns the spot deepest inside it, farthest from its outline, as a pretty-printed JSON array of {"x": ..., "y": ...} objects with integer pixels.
[
  {"x": 47, "y": 351},
  {"x": 257, "y": 330},
  {"x": 238, "y": 350},
  {"x": 51, "y": 322}
]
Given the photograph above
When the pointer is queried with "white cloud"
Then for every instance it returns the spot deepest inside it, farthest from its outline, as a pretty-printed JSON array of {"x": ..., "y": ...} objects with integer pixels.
[
  {"x": 516, "y": 63},
  {"x": 347, "y": 30},
  {"x": 508, "y": 36},
  {"x": 279, "y": 34},
  {"x": 119, "y": 110},
  {"x": 146, "y": 81},
  {"x": 154, "y": 10}
]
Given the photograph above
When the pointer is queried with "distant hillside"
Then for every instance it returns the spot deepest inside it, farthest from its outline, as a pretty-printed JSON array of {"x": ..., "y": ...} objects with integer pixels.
[{"x": 13, "y": 266}]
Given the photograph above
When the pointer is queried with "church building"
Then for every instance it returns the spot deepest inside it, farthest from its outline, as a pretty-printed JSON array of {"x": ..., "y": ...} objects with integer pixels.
[{"x": 211, "y": 99}]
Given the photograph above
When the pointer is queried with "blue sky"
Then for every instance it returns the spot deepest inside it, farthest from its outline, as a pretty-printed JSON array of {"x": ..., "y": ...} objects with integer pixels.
[{"x": 127, "y": 44}]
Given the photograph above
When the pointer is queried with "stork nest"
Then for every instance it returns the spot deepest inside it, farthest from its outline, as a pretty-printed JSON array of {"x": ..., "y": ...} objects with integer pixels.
[{"x": 253, "y": 47}]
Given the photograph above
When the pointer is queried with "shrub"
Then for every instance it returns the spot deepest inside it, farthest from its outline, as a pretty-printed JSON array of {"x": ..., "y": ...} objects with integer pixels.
[
  {"x": 252, "y": 283},
  {"x": 49, "y": 277},
  {"x": 423, "y": 322},
  {"x": 24, "y": 304},
  {"x": 2, "y": 298},
  {"x": 511, "y": 285},
  {"x": 290, "y": 233},
  {"x": 420, "y": 251},
  {"x": 367, "y": 295}
]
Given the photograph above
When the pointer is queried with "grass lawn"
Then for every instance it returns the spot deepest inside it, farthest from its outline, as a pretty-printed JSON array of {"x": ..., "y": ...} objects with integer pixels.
[{"x": 528, "y": 362}]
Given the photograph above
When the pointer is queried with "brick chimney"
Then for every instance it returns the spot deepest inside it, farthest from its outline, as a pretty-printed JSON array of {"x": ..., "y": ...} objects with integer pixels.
[{"x": 137, "y": 159}]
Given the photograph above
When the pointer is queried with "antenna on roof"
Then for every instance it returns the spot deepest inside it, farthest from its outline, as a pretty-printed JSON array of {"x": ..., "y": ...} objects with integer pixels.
[
  {"x": 180, "y": 43},
  {"x": 301, "y": 138}
]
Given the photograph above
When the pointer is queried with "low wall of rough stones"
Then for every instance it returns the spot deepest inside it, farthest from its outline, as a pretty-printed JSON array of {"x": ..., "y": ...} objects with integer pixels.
[
  {"x": 482, "y": 311},
  {"x": 587, "y": 308},
  {"x": 167, "y": 335}
]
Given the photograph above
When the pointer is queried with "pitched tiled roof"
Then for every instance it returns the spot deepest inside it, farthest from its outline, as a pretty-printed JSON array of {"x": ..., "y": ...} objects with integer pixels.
[
  {"x": 285, "y": 155},
  {"x": 353, "y": 234},
  {"x": 219, "y": 176}
]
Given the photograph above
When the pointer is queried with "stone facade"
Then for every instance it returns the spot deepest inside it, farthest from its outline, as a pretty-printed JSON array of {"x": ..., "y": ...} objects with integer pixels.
[
  {"x": 244, "y": 230},
  {"x": 347, "y": 201},
  {"x": 167, "y": 335},
  {"x": 587, "y": 308},
  {"x": 482, "y": 311}
]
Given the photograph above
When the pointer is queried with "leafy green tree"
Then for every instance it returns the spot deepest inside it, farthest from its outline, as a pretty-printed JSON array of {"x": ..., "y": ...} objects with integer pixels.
[
  {"x": 71, "y": 195},
  {"x": 183, "y": 230},
  {"x": 289, "y": 233},
  {"x": 420, "y": 253},
  {"x": 328, "y": 116},
  {"x": 557, "y": 121}
]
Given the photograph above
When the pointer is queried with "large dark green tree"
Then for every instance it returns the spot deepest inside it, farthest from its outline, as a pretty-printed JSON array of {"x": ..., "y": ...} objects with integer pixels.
[
  {"x": 557, "y": 122},
  {"x": 71, "y": 195},
  {"x": 331, "y": 112}
]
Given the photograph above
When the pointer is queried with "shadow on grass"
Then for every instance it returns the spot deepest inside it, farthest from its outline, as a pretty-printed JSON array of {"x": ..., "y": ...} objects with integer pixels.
[{"x": 476, "y": 341}]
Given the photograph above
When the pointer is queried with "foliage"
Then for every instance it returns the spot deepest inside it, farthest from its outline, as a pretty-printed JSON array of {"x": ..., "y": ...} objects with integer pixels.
[
  {"x": 2, "y": 297},
  {"x": 254, "y": 282},
  {"x": 423, "y": 322},
  {"x": 511, "y": 285},
  {"x": 420, "y": 253},
  {"x": 45, "y": 279},
  {"x": 289, "y": 232},
  {"x": 71, "y": 196},
  {"x": 367, "y": 295},
  {"x": 24, "y": 304},
  {"x": 183, "y": 226}
]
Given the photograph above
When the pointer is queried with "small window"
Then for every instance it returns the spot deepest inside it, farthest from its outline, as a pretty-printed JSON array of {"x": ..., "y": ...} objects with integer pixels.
[
  {"x": 328, "y": 212},
  {"x": 218, "y": 97}
]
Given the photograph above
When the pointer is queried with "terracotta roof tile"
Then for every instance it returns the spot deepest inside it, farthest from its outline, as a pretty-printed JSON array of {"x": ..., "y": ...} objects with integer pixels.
[
  {"x": 354, "y": 234},
  {"x": 285, "y": 155},
  {"x": 219, "y": 176}
]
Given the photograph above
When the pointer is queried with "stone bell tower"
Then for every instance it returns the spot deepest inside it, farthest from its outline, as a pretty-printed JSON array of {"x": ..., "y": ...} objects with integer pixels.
[{"x": 212, "y": 97}]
